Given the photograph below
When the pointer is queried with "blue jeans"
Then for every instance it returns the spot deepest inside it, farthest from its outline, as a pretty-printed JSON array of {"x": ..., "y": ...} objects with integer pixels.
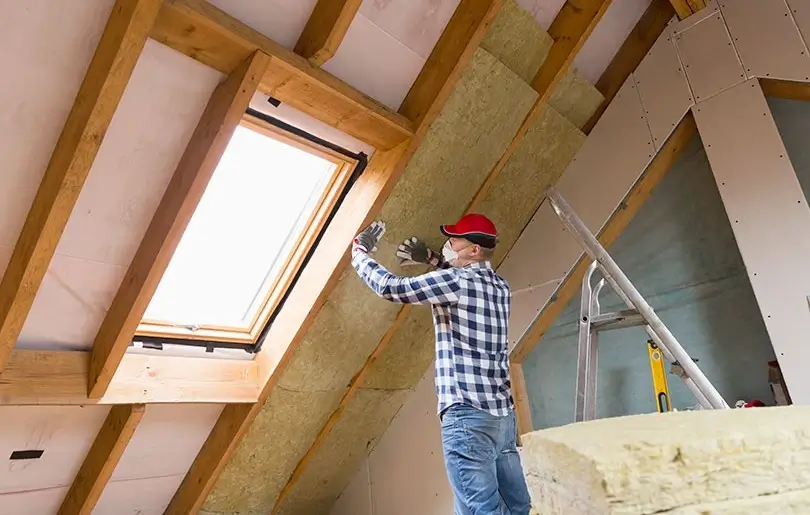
[{"x": 483, "y": 466}]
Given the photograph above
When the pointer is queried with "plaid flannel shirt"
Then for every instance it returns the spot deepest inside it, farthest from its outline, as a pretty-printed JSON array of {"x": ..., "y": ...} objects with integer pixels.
[{"x": 470, "y": 307}]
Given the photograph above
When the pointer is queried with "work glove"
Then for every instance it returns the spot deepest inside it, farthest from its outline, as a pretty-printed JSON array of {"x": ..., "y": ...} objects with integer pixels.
[
  {"x": 413, "y": 252},
  {"x": 367, "y": 240}
]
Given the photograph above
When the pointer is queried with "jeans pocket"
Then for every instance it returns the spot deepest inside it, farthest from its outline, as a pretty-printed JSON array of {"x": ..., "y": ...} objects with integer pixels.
[{"x": 480, "y": 438}]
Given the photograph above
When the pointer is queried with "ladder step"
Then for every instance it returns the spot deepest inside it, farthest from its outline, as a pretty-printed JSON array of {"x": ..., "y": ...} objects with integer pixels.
[{"x": 617, "y": 320}]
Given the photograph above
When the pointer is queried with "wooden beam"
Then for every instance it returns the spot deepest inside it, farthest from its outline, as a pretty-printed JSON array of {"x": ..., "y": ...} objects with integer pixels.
[
  {"x": 686, "y": 8},
  {"x": 523, "y": 410},
  {"x": 329, "y": 261},
  {"x": 110, "y": 444},
  {"x": 325, "y": 29},
  {"x": 787, "y": 89},
  {"x": 617, "y": 223},
  {"x": 60, "y": 378},
  {"x": 640, "y": 40},
  {"x": 470, "y": 22},
  {"x": 207, "y": 34},
  {"x": 223, "y": 113},
  {"x": 573, "y": 25},
  {"x": 107, "y": 75}
]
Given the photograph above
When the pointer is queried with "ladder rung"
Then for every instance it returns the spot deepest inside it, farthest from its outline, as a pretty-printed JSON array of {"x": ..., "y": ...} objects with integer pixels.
[{"x": 617, "y": 320}]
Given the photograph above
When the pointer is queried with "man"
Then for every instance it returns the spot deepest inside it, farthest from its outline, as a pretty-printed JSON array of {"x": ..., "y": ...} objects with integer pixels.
[{"x": 470, "y": 305}]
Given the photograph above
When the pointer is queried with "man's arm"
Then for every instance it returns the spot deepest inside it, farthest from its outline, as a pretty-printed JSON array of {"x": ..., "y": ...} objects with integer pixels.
[{"x": 437, "y": 287}]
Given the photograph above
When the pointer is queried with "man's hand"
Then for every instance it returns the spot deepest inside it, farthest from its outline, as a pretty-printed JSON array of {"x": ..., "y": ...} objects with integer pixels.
[
  {"x": 367, "y": 240},
  {"x": 413, "y": 252}
]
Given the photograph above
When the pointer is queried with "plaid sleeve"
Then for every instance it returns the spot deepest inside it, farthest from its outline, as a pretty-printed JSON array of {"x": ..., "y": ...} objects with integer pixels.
[{"x": 437, "y": 287}]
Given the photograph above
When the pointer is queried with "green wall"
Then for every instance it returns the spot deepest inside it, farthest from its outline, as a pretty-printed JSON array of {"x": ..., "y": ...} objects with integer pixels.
[{"x": 680, "y": 253}]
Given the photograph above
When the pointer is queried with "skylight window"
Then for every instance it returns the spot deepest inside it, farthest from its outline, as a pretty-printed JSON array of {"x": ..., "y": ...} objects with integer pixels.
[{"x": 266, "y": 202}]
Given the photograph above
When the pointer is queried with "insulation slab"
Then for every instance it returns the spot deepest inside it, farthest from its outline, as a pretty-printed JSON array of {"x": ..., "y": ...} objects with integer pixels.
[
  {"x": 679, "y": 462},
  {"x": 522, "y": 45},
  {"x": 464, "y": 142}
]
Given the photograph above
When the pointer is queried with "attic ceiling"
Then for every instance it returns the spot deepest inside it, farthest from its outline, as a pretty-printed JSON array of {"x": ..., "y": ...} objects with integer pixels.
[{"x": 49, "y": 47}]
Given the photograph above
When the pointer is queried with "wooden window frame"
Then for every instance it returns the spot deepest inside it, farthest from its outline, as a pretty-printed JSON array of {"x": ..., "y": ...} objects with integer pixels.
[{"x": 293, "y": 262}]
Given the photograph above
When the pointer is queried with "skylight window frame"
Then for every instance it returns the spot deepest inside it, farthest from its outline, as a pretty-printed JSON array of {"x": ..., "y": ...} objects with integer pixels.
[{"x": 293, "y": 262}]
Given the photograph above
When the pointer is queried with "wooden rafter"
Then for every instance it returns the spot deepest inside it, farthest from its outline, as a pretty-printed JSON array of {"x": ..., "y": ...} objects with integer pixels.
[
  {"x": 325, "y": 29},
  {"x": 686, "y": 8},
  {"x": 331, "y": 255},
  {"x": 787, "y": 89},
  {"x": 34, "y": 377},
  {"x": 205, "y": 33},
  {"x": 117, "y": 52},
  {"x": 617, "y": 223},
  {"x": 574, "y": 23},
  {"x": 219, "y": 120},
  {"x": 100, "y": 462},
  {"x": 640, "y": 40}
]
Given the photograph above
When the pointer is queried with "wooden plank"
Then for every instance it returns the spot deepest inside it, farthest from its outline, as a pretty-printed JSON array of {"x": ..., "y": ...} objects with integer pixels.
[
  {"x": 325, "y": 29},
  {"x": 108, "y": 447},
  {"x": 464, "y": 32},
  {"x": 617, "y": 223},
  {"x": 103, "y": 86},
  {"x": 640, "y": 40},
  {"x": 60, "y": 378},
  {"x": 522, "y": 406},
  {"x": 207, "y": 34},
  {"x": 328, "y": 262},
  {"x": 790, "y": 90},
  {"x": 572, "y": 26},
  {"x": 686, "y": 8},
  {"x": 223, "y": 113}
]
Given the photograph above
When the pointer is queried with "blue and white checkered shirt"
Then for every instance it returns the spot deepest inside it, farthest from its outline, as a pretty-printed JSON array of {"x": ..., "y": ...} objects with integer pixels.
[{"x": 470, "y": 308}]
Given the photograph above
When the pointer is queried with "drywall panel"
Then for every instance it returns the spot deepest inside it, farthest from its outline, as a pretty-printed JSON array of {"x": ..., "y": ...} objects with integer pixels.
[
  {"x": 167, "y": 440},
  {"x": 526, "y": 306},
  {"x": 760, "y": 192},
  {"x": 618, "y": 149},
  {"x": 32, "y": 502},
  {"x": 800, "y": 9},
  {"x": 280, "y": 20},
  {"x": 544, "y": 252},
  {"x": 146, "y": 138},
  {"x": 356, "y": 498},
  {"x": 663, "y": 88},
  {"x": 48, "y": 46},
  {"x": 407, "y": 466},
  {"x": 64, "y": 433},
  {"x": 417, "y": 24},
  {"x": 375, "y": 63},
  {"x": 709, "y": 58},
  {"x": 145, "y": 496},
  {"x": 781, "y": 54}
]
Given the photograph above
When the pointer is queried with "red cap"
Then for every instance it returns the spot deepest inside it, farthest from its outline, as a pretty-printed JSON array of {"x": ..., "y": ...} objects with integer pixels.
[{"x": 474, "y": 227}]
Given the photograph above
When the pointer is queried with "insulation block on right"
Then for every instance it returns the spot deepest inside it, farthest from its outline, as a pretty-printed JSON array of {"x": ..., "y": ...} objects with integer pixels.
[{"x": 706, "y": 462}]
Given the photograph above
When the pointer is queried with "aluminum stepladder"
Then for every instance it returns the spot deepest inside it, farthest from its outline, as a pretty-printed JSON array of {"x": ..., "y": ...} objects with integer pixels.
[{"x": 639, "y": 312}]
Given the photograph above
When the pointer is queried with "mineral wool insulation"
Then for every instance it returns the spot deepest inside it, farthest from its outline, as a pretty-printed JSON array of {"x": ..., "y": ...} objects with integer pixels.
[
  {"x": 462, "y": 146},
  {"x": 742, "y": 461}
]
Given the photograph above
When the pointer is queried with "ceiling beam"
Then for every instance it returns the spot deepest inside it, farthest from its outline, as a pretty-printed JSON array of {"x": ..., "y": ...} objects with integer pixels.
[
  {"x": 59, "y": 378},
  {"x": 787, "y": 89},
  {"x": 572, "y": 26},
  {"x": 331, "y": 256},
  {"x": 640, "y": 40},
  {"x": 618, "y": 222},
  {"x": 325, "y": 29},
  {"x": 223, "y": 113},
  {"x": 100, "y": 462},
  {"x": 207, "y": 34},
  {"x": 686, "y": 8},
  {"x": 103, "y": 86}
]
